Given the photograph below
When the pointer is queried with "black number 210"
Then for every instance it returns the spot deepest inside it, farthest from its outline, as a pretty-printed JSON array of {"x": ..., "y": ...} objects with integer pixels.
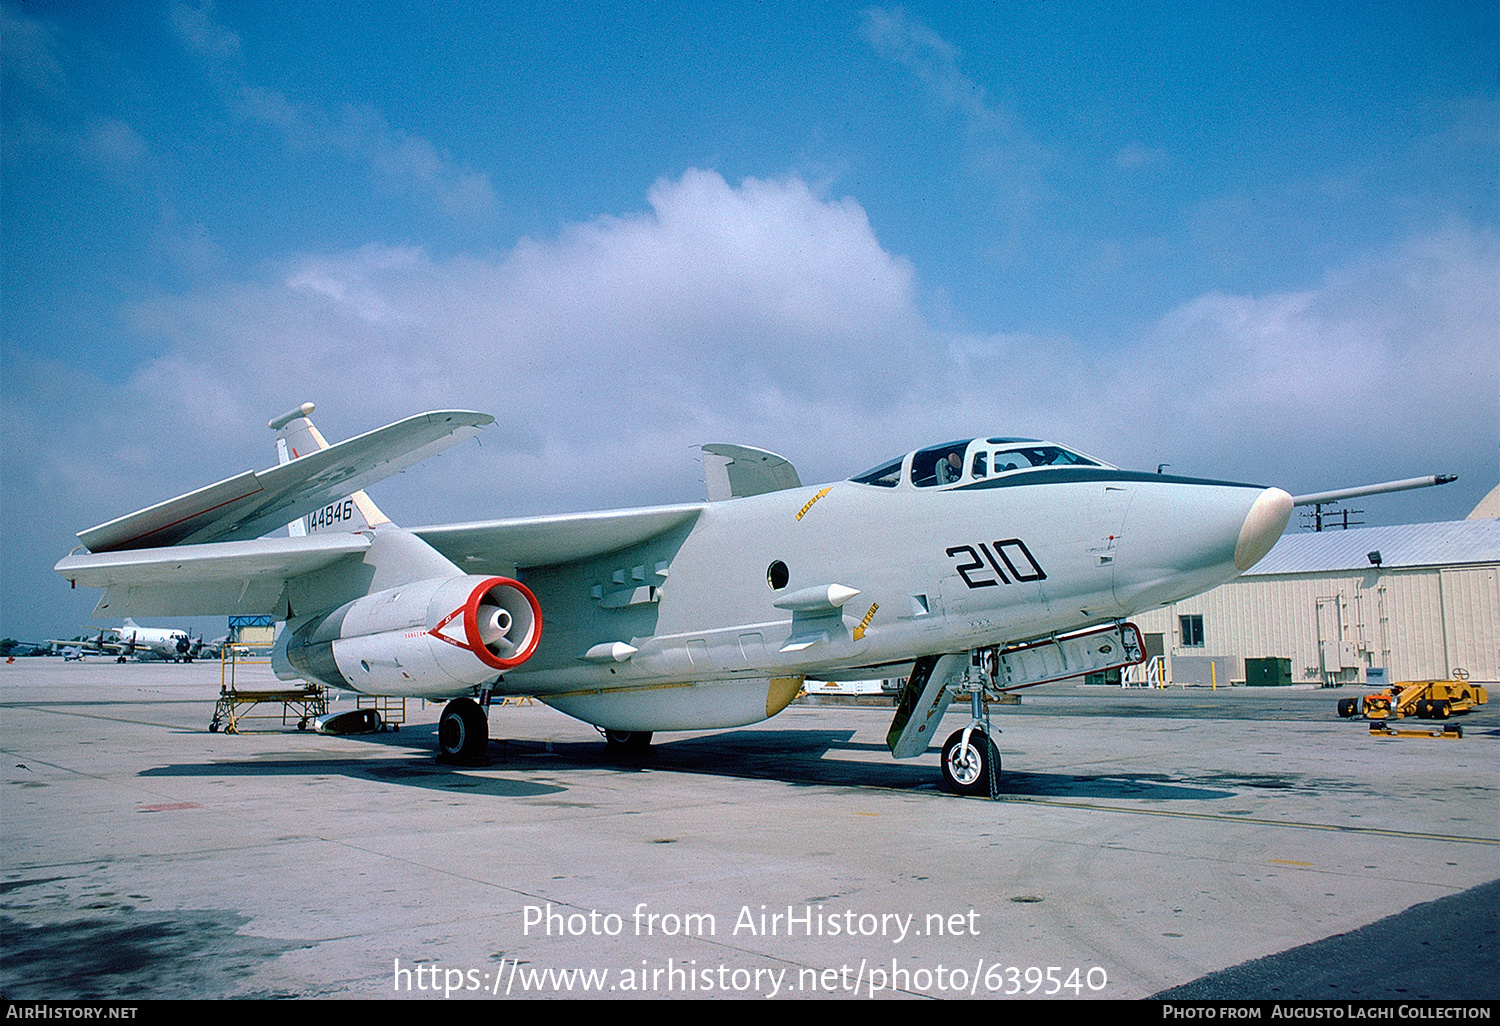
[{"x": 1012, "y": 551}]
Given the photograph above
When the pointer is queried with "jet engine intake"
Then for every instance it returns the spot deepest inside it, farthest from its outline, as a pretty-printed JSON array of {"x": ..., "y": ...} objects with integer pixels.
[{"x": 432, "y": 639}]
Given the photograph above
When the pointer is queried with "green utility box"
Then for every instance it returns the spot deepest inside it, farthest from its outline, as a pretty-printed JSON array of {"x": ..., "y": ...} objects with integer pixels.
[{"x": 1271, "y": 672}]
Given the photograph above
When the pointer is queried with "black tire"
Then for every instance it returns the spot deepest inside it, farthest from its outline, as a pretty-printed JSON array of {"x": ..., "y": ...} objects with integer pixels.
[
  {"x": 463, "y": 730},
  {"x": 967, "y": 768},
  {"x": 1349, "y": 707},
  {"x": 1424, "y": 709},
  {"x": 628, "y": 741},
  {"x": 1441, "y": 709}
]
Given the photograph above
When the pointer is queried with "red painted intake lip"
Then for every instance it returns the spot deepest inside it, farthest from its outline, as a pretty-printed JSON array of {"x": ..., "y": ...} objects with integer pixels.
[
  {"x": 470, "y": 613},
  {"x": 471, "y": 624}
]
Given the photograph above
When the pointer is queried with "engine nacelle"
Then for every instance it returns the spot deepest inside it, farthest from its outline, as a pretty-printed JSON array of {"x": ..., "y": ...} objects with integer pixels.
[{"x": 434, "y": 639}]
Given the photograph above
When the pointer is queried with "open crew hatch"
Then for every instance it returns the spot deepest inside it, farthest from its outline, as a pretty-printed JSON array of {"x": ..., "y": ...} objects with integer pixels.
[{"x": 976, "y": 459}]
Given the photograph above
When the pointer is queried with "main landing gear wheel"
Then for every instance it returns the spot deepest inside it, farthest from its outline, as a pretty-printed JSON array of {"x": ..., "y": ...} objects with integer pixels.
[
  {"x": 632, "y": 742},
  {"x": 967, "y": 767},
  {"x": 463, "y": 730}
]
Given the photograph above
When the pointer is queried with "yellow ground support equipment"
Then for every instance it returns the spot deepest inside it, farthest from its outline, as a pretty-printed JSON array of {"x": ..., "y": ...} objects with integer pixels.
[
  {"x": 1424, "y": 699},
  {"x": 1451, "y": 731},
  {"x": 298, "y": 705}
]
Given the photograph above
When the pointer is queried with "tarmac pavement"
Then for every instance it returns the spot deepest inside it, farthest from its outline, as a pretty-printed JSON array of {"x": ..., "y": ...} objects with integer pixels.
[{"x": 1238, "y": 843}]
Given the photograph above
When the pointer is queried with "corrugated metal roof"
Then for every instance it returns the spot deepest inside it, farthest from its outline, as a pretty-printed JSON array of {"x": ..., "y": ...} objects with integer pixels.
[{"x": 1452, "y": 543}]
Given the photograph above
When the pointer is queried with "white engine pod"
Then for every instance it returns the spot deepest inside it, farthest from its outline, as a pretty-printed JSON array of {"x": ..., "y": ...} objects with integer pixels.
[{"x": 429, "y": 638}]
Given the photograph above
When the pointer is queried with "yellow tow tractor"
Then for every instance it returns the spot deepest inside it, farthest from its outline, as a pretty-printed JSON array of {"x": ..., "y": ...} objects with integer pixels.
[{"x": 1424, "y": 699}]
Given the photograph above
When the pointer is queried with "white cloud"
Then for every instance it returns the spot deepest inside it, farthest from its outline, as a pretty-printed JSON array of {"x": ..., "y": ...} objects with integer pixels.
[
  {"x": 724, "y": 309},
  {"x": 767, "y": 314},
  {"x": 998, "y": 150},
  {"x": 1385, "y": 369},
  {"x": 202, "y": 36},
  {"x": 931, "y": 58},
  {"x": 403, "y": 162},
  {"x": 114, "y": 141},
  {"x": 400, "y": 162},
  {"x": 1136, "y": 156},
  {"x": 30, "y": 55}
]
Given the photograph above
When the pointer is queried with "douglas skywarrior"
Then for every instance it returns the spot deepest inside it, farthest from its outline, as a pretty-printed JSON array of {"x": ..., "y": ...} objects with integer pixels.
[{"x": 969, "y": 568}]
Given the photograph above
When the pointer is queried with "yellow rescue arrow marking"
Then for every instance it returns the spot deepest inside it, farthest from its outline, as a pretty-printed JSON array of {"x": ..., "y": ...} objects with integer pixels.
[
  {"x": 810, "y": 502},
  {"x": 859, "y": 632}
]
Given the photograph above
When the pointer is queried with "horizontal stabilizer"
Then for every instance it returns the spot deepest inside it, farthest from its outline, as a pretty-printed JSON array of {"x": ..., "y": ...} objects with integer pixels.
[
  {"x": 734, "y": 471},
  {"x": 252, "y": 504}
]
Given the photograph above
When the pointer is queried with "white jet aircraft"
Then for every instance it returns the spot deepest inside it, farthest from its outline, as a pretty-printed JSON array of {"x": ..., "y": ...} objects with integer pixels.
[{"x": 969, "y": 568}]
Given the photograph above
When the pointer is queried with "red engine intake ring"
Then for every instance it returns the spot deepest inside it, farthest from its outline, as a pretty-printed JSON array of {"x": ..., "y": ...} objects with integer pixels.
[
  {"x": 471, "y": 624},
  {"x": 470, "y": 613}
]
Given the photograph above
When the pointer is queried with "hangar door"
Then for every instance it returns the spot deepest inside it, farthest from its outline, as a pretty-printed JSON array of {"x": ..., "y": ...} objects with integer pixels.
[{"x": 1471, "y": 611}]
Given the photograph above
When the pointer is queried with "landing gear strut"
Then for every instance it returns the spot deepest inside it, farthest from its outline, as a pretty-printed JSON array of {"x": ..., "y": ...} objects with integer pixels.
[{"x": 971, "y": 762}]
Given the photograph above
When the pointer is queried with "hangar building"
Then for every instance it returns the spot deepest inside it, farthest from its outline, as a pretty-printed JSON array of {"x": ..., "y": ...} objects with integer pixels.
[{"x": 1363, "y": 606}]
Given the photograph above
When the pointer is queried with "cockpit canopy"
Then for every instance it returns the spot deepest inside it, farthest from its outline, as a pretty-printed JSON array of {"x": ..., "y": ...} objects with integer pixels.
[{"x": 971, "y": 460}]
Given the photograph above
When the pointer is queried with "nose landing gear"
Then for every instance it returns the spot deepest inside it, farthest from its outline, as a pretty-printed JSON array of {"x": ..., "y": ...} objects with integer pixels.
[{"x": 971, "y": 762}]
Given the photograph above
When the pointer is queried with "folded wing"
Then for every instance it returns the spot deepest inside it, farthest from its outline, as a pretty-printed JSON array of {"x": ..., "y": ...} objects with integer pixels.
[{"x": 254, "y": 503}]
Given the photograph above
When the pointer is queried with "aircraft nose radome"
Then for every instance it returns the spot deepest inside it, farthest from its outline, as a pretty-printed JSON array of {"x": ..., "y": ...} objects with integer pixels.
[{"x": 1262, "y": 528}]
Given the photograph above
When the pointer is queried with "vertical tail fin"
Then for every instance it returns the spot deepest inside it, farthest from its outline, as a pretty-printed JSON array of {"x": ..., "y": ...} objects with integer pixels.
[{"x": 295, "y": 437}]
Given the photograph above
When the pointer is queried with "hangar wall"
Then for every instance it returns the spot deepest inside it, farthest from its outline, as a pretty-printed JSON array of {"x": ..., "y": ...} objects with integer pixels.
[{"x": 1416, "y": 623}]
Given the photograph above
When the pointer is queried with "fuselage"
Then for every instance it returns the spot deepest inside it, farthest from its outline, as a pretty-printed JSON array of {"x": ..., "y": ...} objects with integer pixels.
[{"x": 975, "y": 561}]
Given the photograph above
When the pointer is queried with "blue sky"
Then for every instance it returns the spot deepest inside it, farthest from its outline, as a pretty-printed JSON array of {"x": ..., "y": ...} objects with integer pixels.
[{"x": 1253, "y": 241}]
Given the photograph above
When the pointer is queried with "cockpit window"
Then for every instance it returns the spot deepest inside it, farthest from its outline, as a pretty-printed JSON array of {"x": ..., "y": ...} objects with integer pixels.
[
  {"x": 1039, "y": 456},
  {"x": 887, "y": 475},
  {"x": 944, "y": 464},
  {"x": 940, "y": 465}
]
